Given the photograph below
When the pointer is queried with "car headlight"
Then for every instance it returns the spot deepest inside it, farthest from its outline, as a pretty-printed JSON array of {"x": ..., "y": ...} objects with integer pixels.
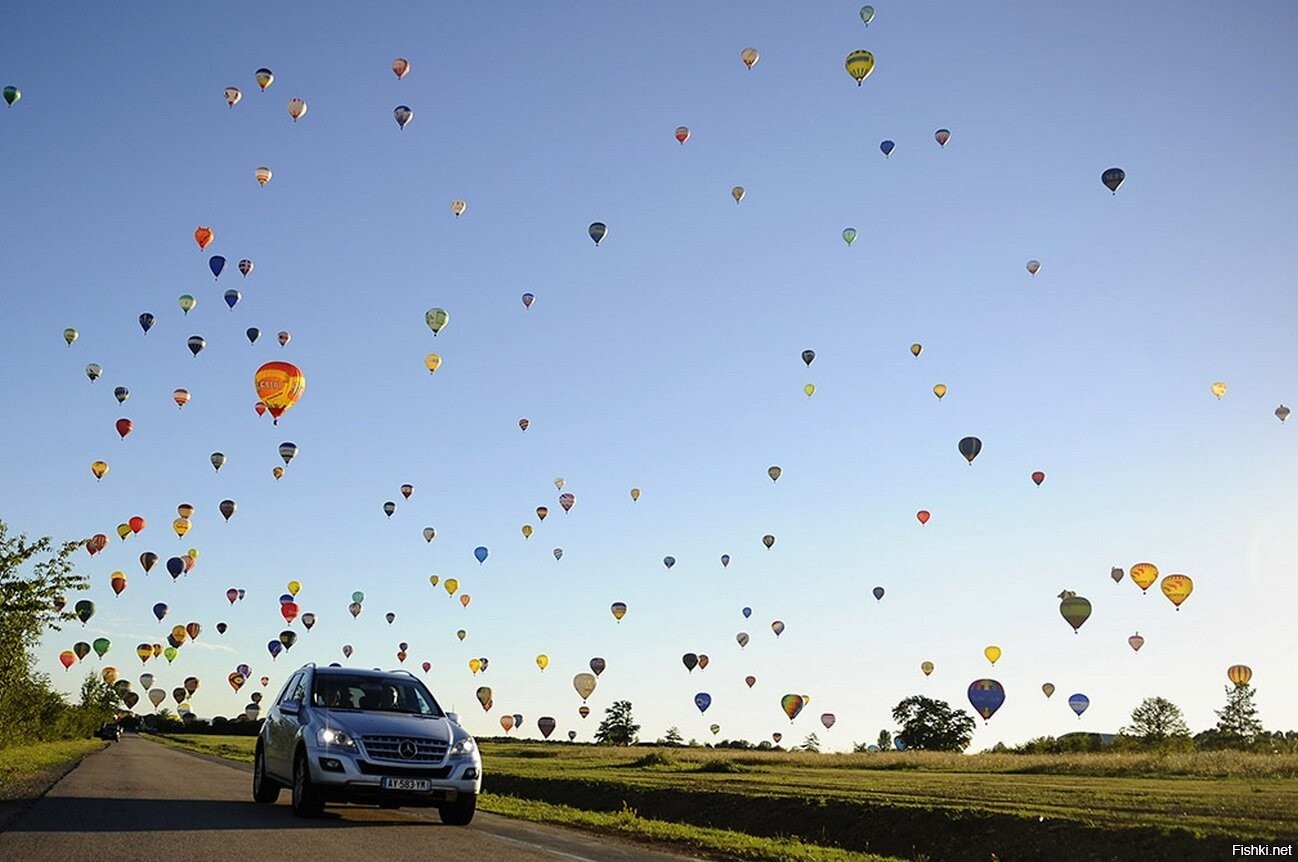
[
  {"x": 334, "y": 736},
  {"x": 463, "y": 747}
]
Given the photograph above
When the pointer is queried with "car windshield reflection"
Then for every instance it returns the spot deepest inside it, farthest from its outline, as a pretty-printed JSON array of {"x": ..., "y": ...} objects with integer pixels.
[{"x": 365, "y": 694}]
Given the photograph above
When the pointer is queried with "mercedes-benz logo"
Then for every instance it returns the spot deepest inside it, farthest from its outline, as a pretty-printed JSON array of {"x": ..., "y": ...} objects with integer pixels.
[{"x": 407, "y": 749}]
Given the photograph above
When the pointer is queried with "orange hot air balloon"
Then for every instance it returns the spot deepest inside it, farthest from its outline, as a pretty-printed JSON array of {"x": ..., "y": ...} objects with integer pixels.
[
  {"x": 118, "y": 582},
  {"x": 203, "y": 236},
  {"x": 1177, "y": 588},
  {"x": 1239, "y": 674},
  {"x": 136, "y": 524},
  {"x": 1144, "y": 574},
  {"x": 923, "y": 516},
  {"x": 279, "y": 385}
]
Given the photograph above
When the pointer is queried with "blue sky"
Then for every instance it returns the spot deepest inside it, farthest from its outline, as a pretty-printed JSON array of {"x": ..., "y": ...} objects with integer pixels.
[{"x": 668, "y": 358}]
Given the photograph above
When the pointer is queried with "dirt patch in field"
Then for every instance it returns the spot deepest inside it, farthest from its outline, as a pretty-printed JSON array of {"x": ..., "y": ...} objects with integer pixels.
[{"x": 910, "y": 833}]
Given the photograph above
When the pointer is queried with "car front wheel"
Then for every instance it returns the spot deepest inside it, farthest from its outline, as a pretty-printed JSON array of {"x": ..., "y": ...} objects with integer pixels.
[
  {"x": 264, "y": 788},
  {"x": 307, "y": 800},
  {"x": 459, "y": 812}
]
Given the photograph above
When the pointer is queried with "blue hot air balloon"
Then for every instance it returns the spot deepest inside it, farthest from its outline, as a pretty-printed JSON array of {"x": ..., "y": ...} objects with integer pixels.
[
  {"x": 1079, "y": 702},
  {"x": 286, "y": 599},
  {"x": 748, "y": 612},
  {"x": 480, "y": 553},
  {"x": 970, "y": 447},
  {"x": 232, "y": 297},
  {"x": 899, "y": 743},
  {"x": 598, "y": 230},
  {"x": 216, "y": 263},
  {"x": 274, "y": 648},
  {"x": 175, "y": 567},
  {"x": 878, "y": 593},
  {"x": 160, "y": 611},
  {"x": 986, "y": 696},
  {"x": 253, "y": 334},
  {"x": 146, "y": 321},
  {"x": 703, "y": 700},
  {"x": 887, "y": 147}
]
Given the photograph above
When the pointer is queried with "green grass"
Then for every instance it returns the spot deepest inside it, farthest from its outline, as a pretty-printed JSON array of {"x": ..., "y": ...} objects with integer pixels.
[
  {"x": 26, "y": 770},
  {"x": 238, "y": 748},
  {"x": 714, "y": 843}
]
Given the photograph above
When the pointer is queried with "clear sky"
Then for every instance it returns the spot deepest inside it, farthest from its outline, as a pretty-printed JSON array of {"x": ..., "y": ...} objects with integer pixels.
[{"x": 668, "y": 358}]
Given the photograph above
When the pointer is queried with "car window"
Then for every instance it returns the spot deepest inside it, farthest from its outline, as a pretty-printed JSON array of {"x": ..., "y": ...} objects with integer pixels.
[
  {"x": 299, "y": 689},
  {"x": 288, "y": 687},
  {"x": 376, "y": 694}
]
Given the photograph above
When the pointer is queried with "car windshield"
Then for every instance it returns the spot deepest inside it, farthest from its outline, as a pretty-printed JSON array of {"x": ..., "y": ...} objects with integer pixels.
[{"x": 340, "y": 691}]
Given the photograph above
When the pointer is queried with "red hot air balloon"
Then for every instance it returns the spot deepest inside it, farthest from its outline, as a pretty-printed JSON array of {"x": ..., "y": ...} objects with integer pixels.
[
  {"x": 923, "y": 516},
  {"x": 124, "y": 427},
  {"x": 1038, "y": 477}
]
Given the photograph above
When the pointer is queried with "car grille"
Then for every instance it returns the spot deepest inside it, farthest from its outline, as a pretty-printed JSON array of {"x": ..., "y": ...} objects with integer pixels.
[
  {"x": 389, "y": 748},
  {"x": 435, "y": 773}
]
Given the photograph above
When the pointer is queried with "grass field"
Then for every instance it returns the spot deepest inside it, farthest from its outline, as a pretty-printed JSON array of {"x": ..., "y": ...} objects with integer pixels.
[{"x": 26, "y": 770}]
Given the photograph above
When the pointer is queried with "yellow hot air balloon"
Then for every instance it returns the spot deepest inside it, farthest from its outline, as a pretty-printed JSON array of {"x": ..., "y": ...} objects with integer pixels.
[
  {"x": 294, "y": 587},
  {"x": 993, "y": 653},
  {"x": 916, "y": 349},
  {"x": 458, "y": 207},
  {"x": 635, "y": 494},
  {"x": 1219, "y": 389},
  {"x": 99, "y": 468},
  {"x": 1144, "y": 574},
  {"x": 939, "y": 390},
  {"x": 475, "y": 664},
  {"x": 926, "y": 667},
  {"x": 279, "y": 385},
  {"x": 70, "y": 335},
  {"x": 1239, "y": 674},
  {"x": 278, "y": 472},
  {"x": 810, "y": 389},
  {"x": 543, "y": 661},
  {"x": 738, "y": 193},
  {"x": 432, "y": 362},
  {"x": 181, "y": 526},
  {"x": 750, "y": 57},
  {"x": 859, "y": 65},
  {"x": 1177, "y": 588},
  {"x": 451, "y": 585},
  {"x": 527, "y": 531}
]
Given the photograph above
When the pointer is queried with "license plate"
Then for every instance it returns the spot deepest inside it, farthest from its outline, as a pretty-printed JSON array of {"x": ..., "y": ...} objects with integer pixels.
[{"x": 416, "y": 784}]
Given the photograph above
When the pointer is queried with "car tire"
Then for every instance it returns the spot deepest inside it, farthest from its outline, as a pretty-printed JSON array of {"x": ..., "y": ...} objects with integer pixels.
[
  {"x": 265, "y": 789},
  {"x": 307, "y": 799},
  {"x": 459, "y": 812}
]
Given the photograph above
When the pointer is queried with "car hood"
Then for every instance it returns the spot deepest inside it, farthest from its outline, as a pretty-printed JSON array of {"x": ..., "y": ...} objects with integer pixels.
[{"x": 388, "y": 724}]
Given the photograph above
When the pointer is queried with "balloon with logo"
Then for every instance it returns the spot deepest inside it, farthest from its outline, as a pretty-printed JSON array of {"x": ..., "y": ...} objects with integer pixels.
[
  {"x": 279, "y": 385},
  {"x": 859, "y": 65},
  {"x": 1078, "y": 703},
  {"x": 1112, "y": 178},
  {"x": 584, "y": 683},
  {"x": 597, "y": 230},
  {"x": 619, "y": 610},
  {"x": 1144, "y": 575},
  {"x": 1177, "y": 588},
  {"x": 986, "y": 696},
  {"x": 702, "y": 700}
]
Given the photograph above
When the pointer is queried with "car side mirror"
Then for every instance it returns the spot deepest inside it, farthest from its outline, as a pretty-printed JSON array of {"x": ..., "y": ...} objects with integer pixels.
[
  {"x": 454, "y": 717},
  {"x": 290, "y": 707}
]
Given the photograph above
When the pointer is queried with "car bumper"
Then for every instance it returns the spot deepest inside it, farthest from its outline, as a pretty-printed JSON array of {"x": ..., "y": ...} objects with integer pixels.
[{"x": 350, "y": 778}]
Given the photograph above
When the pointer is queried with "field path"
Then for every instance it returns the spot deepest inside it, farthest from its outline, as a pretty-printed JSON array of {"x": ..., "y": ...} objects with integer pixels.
[{"x": 141, "y": 800}]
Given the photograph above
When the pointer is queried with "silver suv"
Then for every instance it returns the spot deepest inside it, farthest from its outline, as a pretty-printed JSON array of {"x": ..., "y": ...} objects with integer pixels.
[{"x": 339, "y": 734}]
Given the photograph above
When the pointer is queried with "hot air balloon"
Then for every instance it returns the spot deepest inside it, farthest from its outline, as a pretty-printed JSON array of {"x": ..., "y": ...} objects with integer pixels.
[
  {"x": 1116, "y": 574},
  {"x": 296, "y": 109},
  {"x": 227, "y": 508},
  {"x": 1144, "y": 575},
  {"x": 738, "y": 193},
  {"x": 993, "y": 653},
  {"x": 916, "y": 349},
  {"x": 527, "y": 531},
  {"x": 1033, "y": 266},
  {"x": 118, "y": 582},
  {"x": 94, "y": 370},
  {"x": 725, "y": 561},
  {"x": 940, "y": 390},
  {"x": 96, "y": 543},
  {"x": 436, "y": 318},
  {"x": 1136, "y": 642},
  {"x": 203, "y": 236},
  {"x": 262, "y": 175},
  {"x": 886, "y": 147},
  {"x": 148, "y": 560},
  {"x": 264, "y": 78},
  {"x": 232, "y": 96},
  {"x": 867, "y": 15},
  {"x": 429, "y": 534},
  {"x": 926, "y": 667},
  {"x": 67, "y": 658},
  {"x": 690, "y": 660},
  {"x": 792, "y": 705},
  {"x": 682, "y": 134},
  {"x": 523, "y": 423},
  {"x": 750, "y": 57},
  {"x": 121, "y": 393},
  {"x": 1038, "y": 477},
  {"x": 1078, "y": 703},
  {"x": 528, "y": 299},
  {"x": 450, "y": 585},
  {"x": 245, "y": 267},
  {"x": 81, "y": 649},
  {"x": 284, "y": 337},
  {"x": 70, "y": 335},
  {"x": 878, "y": 593},
  {"x": 742, "y": 639},
  {"x": 669, "y": 561},
  {"x": 1075, "y": 609},
  {"x": 287, "y": 451},
  {"x": 986, "y": 696},
  {"x": 859, "y": 65},
  {"x": 942, "y": 136},
  {"x": 1282, "y": 413},
  {"x": 279, "y": 385},
  {"x": 828, "y": 720},
  {"x": 809, "y": 389},
  {"x": 849, "y": 235},
  {"x": 542, "y": 661},
  {"x": 124, "y": 427},
  {"x": 1112, "y": 178},
  {"x": 196, "y": 344},
  {"x": 584, "y": 683},
  {"x": 969, "y": 447},
  {"x": 1047, "y": 688},
  {"x": 597, "y": 230},
  {"x": 1177, "y": 588},
  {"x": 702, "y": 700},
  {"x": 389, "y": 507},
  {"x": 402, "y": 114},
  {"x": 923, "y": 515},
  {"x": 84, "y": 610},
  {"x": 566, "y": 501},
  {"x": 274, "y": 648},
  {"x": 400, "y": 66},
  {"x": 635, "y": 494},
  {"x": 777, "y": 627},
  {"x": 253, "y": 334},
  {"x": 619, "y": 610},
  {"x": 484, "y": 697},
  {"x": 354, "y": 609},
  {"x": 1219, "y": 389},
  {"x": 546, "y": 725},
  {"x": 181, "y": 397},
  {"x": 480, "y": 554},
  {"x": 232, "y": 298},
  {"x": 1239, "y": 674},
  {"x": 768, "y": 540},
  {"x": 12, "y": 94}
]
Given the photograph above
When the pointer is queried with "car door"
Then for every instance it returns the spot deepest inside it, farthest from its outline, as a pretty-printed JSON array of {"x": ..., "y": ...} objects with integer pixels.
[{"x": 281, "y": 727}]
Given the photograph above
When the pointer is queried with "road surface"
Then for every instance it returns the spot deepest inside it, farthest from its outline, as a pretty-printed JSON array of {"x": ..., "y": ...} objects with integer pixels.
[{"x": 138, "y": 799}]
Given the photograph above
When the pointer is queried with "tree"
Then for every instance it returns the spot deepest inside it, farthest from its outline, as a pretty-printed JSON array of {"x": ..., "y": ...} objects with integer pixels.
[
  {"x": 1238, "y": 719},
  {"x": 932, "y": 725},
  {"x": 672, "y": 737},
  {"x": 811, "y": 743},
  {"x": 1157, "y": 723},
  {"x": 32, "y": 576},
  {"x": 885, "y": 740},
  {"x": 99, "y": 700},
  {"x": 618, "y": 727}
]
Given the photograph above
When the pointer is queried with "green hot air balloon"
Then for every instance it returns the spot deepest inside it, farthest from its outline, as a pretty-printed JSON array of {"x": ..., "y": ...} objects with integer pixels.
[
  {"x": 436, "y": 318},
  {"x": 100, "y": 646},
  {"x": 12, "y": 94},
  {"x": 1075, "y": 609},
  {"x": 849, "y": 235}
]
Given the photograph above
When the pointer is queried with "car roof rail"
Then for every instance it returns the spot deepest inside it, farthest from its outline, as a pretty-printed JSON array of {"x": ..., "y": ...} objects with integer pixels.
[{"x": 401, "y": 670}]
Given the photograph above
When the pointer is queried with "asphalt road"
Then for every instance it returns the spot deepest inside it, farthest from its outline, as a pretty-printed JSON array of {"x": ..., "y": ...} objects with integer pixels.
[{"x": 142, "y": 800}]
